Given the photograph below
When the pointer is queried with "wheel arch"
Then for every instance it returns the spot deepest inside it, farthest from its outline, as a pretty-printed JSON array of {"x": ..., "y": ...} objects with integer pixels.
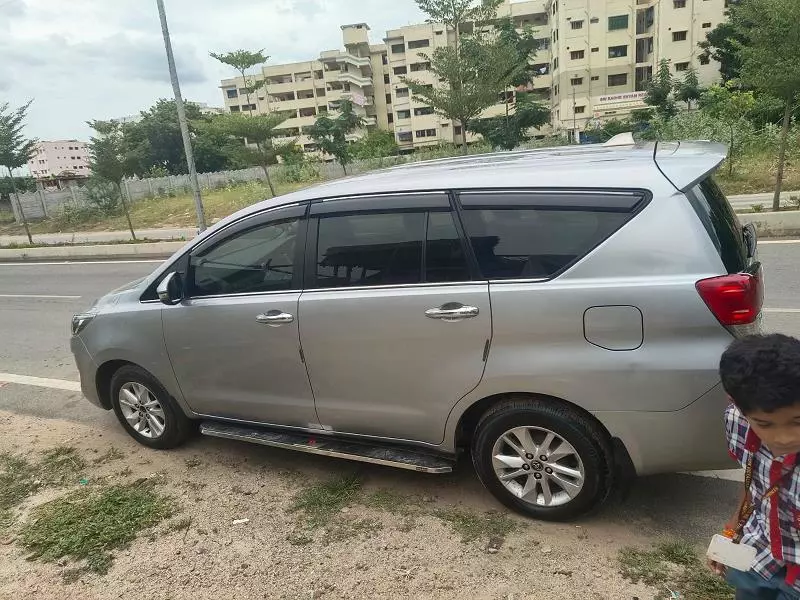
[{"x": 102, "y": 379}]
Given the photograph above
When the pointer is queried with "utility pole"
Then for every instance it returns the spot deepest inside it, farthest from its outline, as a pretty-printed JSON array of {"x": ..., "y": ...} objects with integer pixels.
[
  {"x": 575, "y": 117},
  {"x": 187, "y": 141}
]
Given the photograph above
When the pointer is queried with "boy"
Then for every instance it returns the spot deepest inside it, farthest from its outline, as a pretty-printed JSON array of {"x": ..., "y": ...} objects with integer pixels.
[{"x": 761, "y": 374}]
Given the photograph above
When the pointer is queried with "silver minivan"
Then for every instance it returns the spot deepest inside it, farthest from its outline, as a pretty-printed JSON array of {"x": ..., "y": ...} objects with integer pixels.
[{"x": 557, "y": 314}]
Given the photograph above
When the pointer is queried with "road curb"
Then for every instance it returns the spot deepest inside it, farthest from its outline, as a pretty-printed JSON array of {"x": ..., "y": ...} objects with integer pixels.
[
  {"x": 155, "y": 250},
  {"x": 784, "y": 224}
]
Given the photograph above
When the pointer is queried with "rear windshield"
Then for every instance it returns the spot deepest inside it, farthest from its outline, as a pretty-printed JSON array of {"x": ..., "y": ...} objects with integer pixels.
[{"x": 721, "y": 223}]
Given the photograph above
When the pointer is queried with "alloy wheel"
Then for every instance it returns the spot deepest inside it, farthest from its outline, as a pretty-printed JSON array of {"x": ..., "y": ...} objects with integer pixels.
[{"x": 142, "y": 410}]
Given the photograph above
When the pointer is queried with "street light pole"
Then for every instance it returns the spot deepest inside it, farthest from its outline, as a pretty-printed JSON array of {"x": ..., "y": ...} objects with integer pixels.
[{"x": 187, "y": 141}]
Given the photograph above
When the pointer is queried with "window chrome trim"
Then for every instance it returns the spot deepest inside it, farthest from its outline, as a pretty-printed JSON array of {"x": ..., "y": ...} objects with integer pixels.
[
  {"x": 399, "y": 286},
  {"x": 242, "y": 295}
]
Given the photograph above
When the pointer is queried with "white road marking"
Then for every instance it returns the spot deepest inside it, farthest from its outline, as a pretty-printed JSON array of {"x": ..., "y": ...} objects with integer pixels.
[
  {"x": 53, "y": 384},
  {"x": 760, "y": 242},
  {"x": 40, "y": 296},
  {"x": 80, "y": 262},
  {"x": 788, "y": 311},
  {"x": 730, "y": 474}
]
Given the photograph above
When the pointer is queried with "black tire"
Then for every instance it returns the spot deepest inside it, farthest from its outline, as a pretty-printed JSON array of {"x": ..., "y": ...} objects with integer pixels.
[
  {"x": 177, "y": 426},
  {"x": 585, "y": 437}
]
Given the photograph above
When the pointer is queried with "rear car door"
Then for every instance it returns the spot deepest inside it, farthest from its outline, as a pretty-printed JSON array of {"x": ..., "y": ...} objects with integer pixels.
[
  {"x": 393, "y": 329},
  {"x": 234, "y": 340}
]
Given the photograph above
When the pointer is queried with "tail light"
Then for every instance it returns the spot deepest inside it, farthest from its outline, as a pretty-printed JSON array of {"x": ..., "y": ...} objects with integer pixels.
[{"x": 734, "y": 299}]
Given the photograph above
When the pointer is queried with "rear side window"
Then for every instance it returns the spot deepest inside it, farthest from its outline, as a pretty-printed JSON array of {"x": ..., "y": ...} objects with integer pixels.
[
  {"x": 393, "y": 248},
  {"x": 721, "y": 223},
  {"x": 539, "y": 241}
]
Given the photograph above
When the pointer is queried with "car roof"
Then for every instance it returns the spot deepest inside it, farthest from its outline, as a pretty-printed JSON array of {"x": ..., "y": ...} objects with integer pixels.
[{"x": 652, "y": 166}]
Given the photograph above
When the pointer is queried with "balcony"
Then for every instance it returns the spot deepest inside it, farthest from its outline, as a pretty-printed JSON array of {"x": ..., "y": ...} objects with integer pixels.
[
  {"x": 359, "y": 80},
  {"x": 339, "y": 57}
]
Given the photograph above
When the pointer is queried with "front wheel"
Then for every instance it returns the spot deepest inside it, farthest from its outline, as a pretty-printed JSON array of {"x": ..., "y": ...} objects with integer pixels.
[
  {"x": 541, "y": 458},
  {"x": 146, "y": 410}
]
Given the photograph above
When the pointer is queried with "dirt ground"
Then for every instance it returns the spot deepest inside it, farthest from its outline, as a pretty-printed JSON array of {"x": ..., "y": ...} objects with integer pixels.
[{"x": 402, "y": 548}]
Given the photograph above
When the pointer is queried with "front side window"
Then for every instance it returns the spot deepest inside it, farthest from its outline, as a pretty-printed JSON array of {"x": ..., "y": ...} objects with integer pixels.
[
  {"x": 536, "y": 243},
  {"x": 257, "y": 260}
]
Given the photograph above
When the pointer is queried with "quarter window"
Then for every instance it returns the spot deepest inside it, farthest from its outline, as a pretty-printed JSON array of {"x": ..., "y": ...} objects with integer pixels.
[
  {"x": 536, "y": 243},
  {"x": 257, "y": 260}
]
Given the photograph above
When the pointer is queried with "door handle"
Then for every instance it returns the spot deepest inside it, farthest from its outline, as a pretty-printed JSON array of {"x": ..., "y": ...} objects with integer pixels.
[
  {"x": 275, "y": 318},
  {"x": 452, "y": 312}
]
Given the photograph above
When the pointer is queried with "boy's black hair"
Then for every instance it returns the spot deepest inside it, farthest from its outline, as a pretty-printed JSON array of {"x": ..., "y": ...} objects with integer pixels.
[{"x": 762, "y": 372}]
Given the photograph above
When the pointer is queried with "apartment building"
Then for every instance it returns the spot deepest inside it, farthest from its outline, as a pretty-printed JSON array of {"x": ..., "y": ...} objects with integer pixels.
[
  {"x": 593, "y": 62},
  {"x": 54, "y": 159}
]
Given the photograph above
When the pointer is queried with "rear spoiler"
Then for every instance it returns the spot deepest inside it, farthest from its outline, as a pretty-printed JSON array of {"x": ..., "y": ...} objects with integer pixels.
[{"x": 685, "y": 164}]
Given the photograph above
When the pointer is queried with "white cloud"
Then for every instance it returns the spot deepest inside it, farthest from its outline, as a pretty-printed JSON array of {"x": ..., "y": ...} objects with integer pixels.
[{"x": 99, "y": 59}]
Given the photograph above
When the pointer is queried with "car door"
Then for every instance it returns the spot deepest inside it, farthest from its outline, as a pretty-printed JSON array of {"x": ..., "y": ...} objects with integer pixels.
[
  {"x": 393, "y": 328},
  {"x": 234, "y": 340}
]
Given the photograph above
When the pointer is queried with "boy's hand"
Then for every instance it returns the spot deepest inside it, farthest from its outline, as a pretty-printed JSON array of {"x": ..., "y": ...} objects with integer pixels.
[{"x": 718, "y": 568}]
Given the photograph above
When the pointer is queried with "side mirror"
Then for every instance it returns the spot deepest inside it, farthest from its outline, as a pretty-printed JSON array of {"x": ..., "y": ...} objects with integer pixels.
[{"x": 170, "y": 290}]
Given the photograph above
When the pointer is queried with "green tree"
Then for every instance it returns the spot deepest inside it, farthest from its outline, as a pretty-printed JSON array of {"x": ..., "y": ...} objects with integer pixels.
[
  {"x": 731, "y": 107},
  {"x": 107, "y": 159},
  {"x": 688, "y": 90},
  {"x": 721, "y": 45},
  {"x": 659, "y": 92},
  {"x": 243, "y": 61},
  {"x": 155, "y": 142},
  {"x": 483, "y": 62},
  {"x": 330, "y": 134},
  {"x": 15, "y": 149},
  {"x": 511, "y": 130},
  {"x": 256, "y": 135},
  {"x": 376, "y": 144},
  {"x": 771, "y": 60}
]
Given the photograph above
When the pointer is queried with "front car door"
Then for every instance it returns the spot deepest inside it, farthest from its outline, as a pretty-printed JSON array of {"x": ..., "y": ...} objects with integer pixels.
[
  {"x": 234, "y": 340},
  {"x": 394, "y": 330}
]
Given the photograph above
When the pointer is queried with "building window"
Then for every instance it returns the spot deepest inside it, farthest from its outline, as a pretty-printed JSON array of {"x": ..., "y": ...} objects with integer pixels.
[
  {"x": 682, "y": 66},
  {"x": 579, "y": 110},
  {"x": 405, "y": 136},
  {"x": 390, "y": 118},
  {"x": 232, "y": 93},
  {"x": 423, "y": 66},
  {"x": 577, "y": 24},
  {"x": 594, "y": 20},
  {"x": 555, "y": 90},
  {"x": 618, "y": 79},
  {"x": 414, "y": 44},
  {"x": 706, "y": 25},
  {"x": 576, "y": 81},
  {"x": 400, "y": 70},
  {"x": 388, "y": 98},
  {"x": 402, "y": 93},
  {"x": 384, "y": 59},
  {"x": 679, "y": 36},
  {"x": 386, "y": 78},
  {"x": 617, "y": 51},
  {"x": 440, "y": 32},
  {"x": 617, "y": 22},
  {"x": 555, "y": 63},
  {"x": 679, "y": 3},
  {"x": 421, "y": 112},
  {"x": 595, "y": 49},
  {"x": 457, "y": 130},
  {"x": 403, "y": 114},
  {"x": 577, "y": 54},
  {"x": 398, "y": 48},
  {"x": 426, "y": 133},
  {"x": 704, "y": 60},
  {"x": 234, "y": 109}
]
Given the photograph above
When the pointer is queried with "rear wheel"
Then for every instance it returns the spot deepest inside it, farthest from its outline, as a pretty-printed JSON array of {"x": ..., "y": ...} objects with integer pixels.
[
  {"x": 541, "y": 458},
  {"x": 146, "y": 410}
]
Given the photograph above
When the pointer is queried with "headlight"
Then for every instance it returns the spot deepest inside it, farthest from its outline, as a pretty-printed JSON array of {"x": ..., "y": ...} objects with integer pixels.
[{"x": 79, "y": 322}]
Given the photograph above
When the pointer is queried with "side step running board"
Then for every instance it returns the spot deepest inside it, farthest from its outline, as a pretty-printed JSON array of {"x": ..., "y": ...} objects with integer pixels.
[{"x": 379, "y": 455}]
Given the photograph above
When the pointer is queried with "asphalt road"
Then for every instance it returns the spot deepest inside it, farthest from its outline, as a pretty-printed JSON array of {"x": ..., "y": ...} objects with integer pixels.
[{"x": 37, "y": 301}]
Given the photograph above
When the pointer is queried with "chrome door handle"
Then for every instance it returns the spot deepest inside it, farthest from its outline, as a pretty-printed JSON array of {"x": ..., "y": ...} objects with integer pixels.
[
  {"x": 452, "y": 312},
  {"x": 275, "y": 318}
]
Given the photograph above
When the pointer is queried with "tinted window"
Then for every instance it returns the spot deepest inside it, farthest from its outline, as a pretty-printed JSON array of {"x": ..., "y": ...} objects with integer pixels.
[
  {"x": 257, "y": 260},
  {"x": 721, "y": 223},
  {"x": 529, "y": 243},
  {"x": 370, "y": 249},
  {"x": 444, "y": 254}
]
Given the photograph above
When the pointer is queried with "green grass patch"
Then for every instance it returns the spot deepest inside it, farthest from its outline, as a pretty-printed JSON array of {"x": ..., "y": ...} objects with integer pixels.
[
  {"x": 17, "y": 480},
  {"x": 472, "y": 526},
  {"x": 61, "y": 465},
  {"x": 111, "y": 454},
  {"x": 673, "y": 567},
  {"x": 89, "y": 524},
  {"x": 322, "y": 501}
]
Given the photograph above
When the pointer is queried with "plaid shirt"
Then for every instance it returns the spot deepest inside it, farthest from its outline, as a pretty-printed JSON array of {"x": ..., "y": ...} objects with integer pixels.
[{"x": 774, "y": 527}]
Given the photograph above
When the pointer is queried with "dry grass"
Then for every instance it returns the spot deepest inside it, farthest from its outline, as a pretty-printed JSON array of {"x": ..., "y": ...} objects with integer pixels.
[{"x": 756, "y": 174}]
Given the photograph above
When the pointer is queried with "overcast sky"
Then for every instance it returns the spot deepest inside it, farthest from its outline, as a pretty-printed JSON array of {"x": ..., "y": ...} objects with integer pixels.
[{"x": 100, "y": 59}]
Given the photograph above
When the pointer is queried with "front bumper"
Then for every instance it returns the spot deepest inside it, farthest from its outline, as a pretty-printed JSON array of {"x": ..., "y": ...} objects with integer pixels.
[
  {"x": 87, "y": 370},
  {"x": 691, "y": 439}
]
